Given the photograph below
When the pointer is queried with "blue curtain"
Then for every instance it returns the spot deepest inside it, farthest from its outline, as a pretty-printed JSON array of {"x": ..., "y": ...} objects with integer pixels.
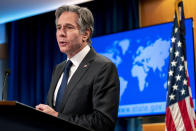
[
  {"x": 33, "y": 53},
  {"x": 33, "y": 50},
  {"x": 113, "y": 16}
]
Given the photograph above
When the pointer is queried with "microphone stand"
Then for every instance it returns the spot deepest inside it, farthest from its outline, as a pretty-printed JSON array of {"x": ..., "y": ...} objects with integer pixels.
[{"x": 4, "y": 90}]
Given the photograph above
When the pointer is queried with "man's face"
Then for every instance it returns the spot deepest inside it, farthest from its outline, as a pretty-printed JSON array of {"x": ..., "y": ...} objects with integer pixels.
[{"x": 69, "y": 38}]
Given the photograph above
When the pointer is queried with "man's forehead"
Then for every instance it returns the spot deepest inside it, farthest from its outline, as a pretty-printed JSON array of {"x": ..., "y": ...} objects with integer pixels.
[
  {"x": 67, "y": 18},
  {"x": 68, "y": 14}
]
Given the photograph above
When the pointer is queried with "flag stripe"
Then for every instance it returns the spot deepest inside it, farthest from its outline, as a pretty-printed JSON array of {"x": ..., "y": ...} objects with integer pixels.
[
  {"x": 185, "y": 115},
  {"x": 191, "y": 102},
  {"x": 177, "y": 118},
  {"x": 189, "y": 110},
  {"x": 169, "y": 121}
]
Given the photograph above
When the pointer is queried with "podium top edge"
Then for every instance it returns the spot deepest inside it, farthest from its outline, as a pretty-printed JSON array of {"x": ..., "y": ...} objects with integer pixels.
[{"x": 8, "y": 103}]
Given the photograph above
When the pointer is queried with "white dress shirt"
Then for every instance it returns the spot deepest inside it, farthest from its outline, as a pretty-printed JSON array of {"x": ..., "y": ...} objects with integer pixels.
[{"x": 76, "y": 60}]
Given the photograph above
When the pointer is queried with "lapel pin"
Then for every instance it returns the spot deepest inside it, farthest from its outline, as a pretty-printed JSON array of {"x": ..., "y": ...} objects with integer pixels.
[{"x": 85, "y": 66}]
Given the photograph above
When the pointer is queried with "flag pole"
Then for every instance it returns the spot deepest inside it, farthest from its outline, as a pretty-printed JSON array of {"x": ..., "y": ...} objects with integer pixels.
[{"x": 177, "y": 11}]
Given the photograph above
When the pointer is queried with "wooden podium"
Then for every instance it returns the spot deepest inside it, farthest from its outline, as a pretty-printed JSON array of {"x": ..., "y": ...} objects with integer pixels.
[
  {"x": 17, "y": 116},
  {"x": 154, "y": 127}
]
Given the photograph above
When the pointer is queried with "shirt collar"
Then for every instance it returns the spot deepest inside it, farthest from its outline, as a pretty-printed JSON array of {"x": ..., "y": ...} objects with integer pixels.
[{"x": 77, "y": 59}]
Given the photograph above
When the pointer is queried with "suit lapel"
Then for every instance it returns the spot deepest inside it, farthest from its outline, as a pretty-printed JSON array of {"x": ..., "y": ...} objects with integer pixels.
[
  {"x": 56, "y": 78},
  {"x": 83, "y": 67}
]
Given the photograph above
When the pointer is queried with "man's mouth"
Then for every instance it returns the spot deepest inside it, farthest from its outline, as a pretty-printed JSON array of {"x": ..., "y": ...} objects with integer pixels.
[{"x": 63, "y": 43}]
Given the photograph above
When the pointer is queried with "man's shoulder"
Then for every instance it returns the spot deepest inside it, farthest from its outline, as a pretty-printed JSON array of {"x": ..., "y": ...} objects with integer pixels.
[
  {"x": 61, "y": 65},
  {"x": 96, "y": 57},
  {"x": 102, "y": 59}
]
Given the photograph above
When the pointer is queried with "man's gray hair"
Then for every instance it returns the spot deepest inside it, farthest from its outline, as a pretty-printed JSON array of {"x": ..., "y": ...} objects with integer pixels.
[{"x": 85, "y": 17}]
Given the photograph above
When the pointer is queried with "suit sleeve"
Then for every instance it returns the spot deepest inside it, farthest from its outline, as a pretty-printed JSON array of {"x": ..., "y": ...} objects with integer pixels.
[{"x": 106, "y": 89}]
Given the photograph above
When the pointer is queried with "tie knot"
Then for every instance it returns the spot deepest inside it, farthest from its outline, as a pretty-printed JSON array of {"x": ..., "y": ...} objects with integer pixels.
[{"x": 68, "y": 66}]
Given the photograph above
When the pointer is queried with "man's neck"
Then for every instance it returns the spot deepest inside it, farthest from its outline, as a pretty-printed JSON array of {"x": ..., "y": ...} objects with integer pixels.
[{"x": 71, "y": 54}]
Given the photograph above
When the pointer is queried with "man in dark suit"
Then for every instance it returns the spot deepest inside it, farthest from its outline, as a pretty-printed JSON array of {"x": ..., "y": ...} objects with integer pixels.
[{"x": 84, "y": 88}]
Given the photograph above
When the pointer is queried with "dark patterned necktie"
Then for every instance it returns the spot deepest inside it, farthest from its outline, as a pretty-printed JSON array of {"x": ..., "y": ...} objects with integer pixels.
[{"x": 63, "y": 86}]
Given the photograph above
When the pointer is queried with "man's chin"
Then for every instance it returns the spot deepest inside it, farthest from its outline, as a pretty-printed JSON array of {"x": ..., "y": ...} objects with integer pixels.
[{"x": 64, "y": 51}]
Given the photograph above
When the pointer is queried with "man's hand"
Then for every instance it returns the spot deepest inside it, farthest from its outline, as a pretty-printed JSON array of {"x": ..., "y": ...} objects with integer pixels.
[{"x": 46, "y": 109}]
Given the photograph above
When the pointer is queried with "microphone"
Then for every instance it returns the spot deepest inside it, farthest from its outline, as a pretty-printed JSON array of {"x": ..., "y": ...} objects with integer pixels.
[{"x": 4, "y": 90}]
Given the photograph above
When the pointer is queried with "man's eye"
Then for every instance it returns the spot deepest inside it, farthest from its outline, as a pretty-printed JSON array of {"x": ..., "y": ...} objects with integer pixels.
[
  {"x": 58, "y": 28},
  {"x": 70, "y": 27}
]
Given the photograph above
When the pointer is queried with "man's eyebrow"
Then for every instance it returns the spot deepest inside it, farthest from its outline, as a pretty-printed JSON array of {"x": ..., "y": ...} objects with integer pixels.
[{"x": 69, "y": 24}]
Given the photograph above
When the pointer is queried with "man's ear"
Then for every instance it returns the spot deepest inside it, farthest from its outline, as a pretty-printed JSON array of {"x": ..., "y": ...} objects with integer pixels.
[{"x": 86, "y": 35}]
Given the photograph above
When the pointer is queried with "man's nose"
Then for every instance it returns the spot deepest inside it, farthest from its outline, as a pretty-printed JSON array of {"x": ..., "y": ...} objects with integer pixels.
[{"x": 63, "y": 32}]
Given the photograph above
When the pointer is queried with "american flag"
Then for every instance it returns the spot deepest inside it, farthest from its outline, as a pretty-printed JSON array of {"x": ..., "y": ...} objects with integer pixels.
[{"x": 180, "y": 115}]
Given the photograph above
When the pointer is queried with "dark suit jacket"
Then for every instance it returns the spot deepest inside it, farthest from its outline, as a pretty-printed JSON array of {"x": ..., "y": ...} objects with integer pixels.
[{"x": 91, "y": 98}]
